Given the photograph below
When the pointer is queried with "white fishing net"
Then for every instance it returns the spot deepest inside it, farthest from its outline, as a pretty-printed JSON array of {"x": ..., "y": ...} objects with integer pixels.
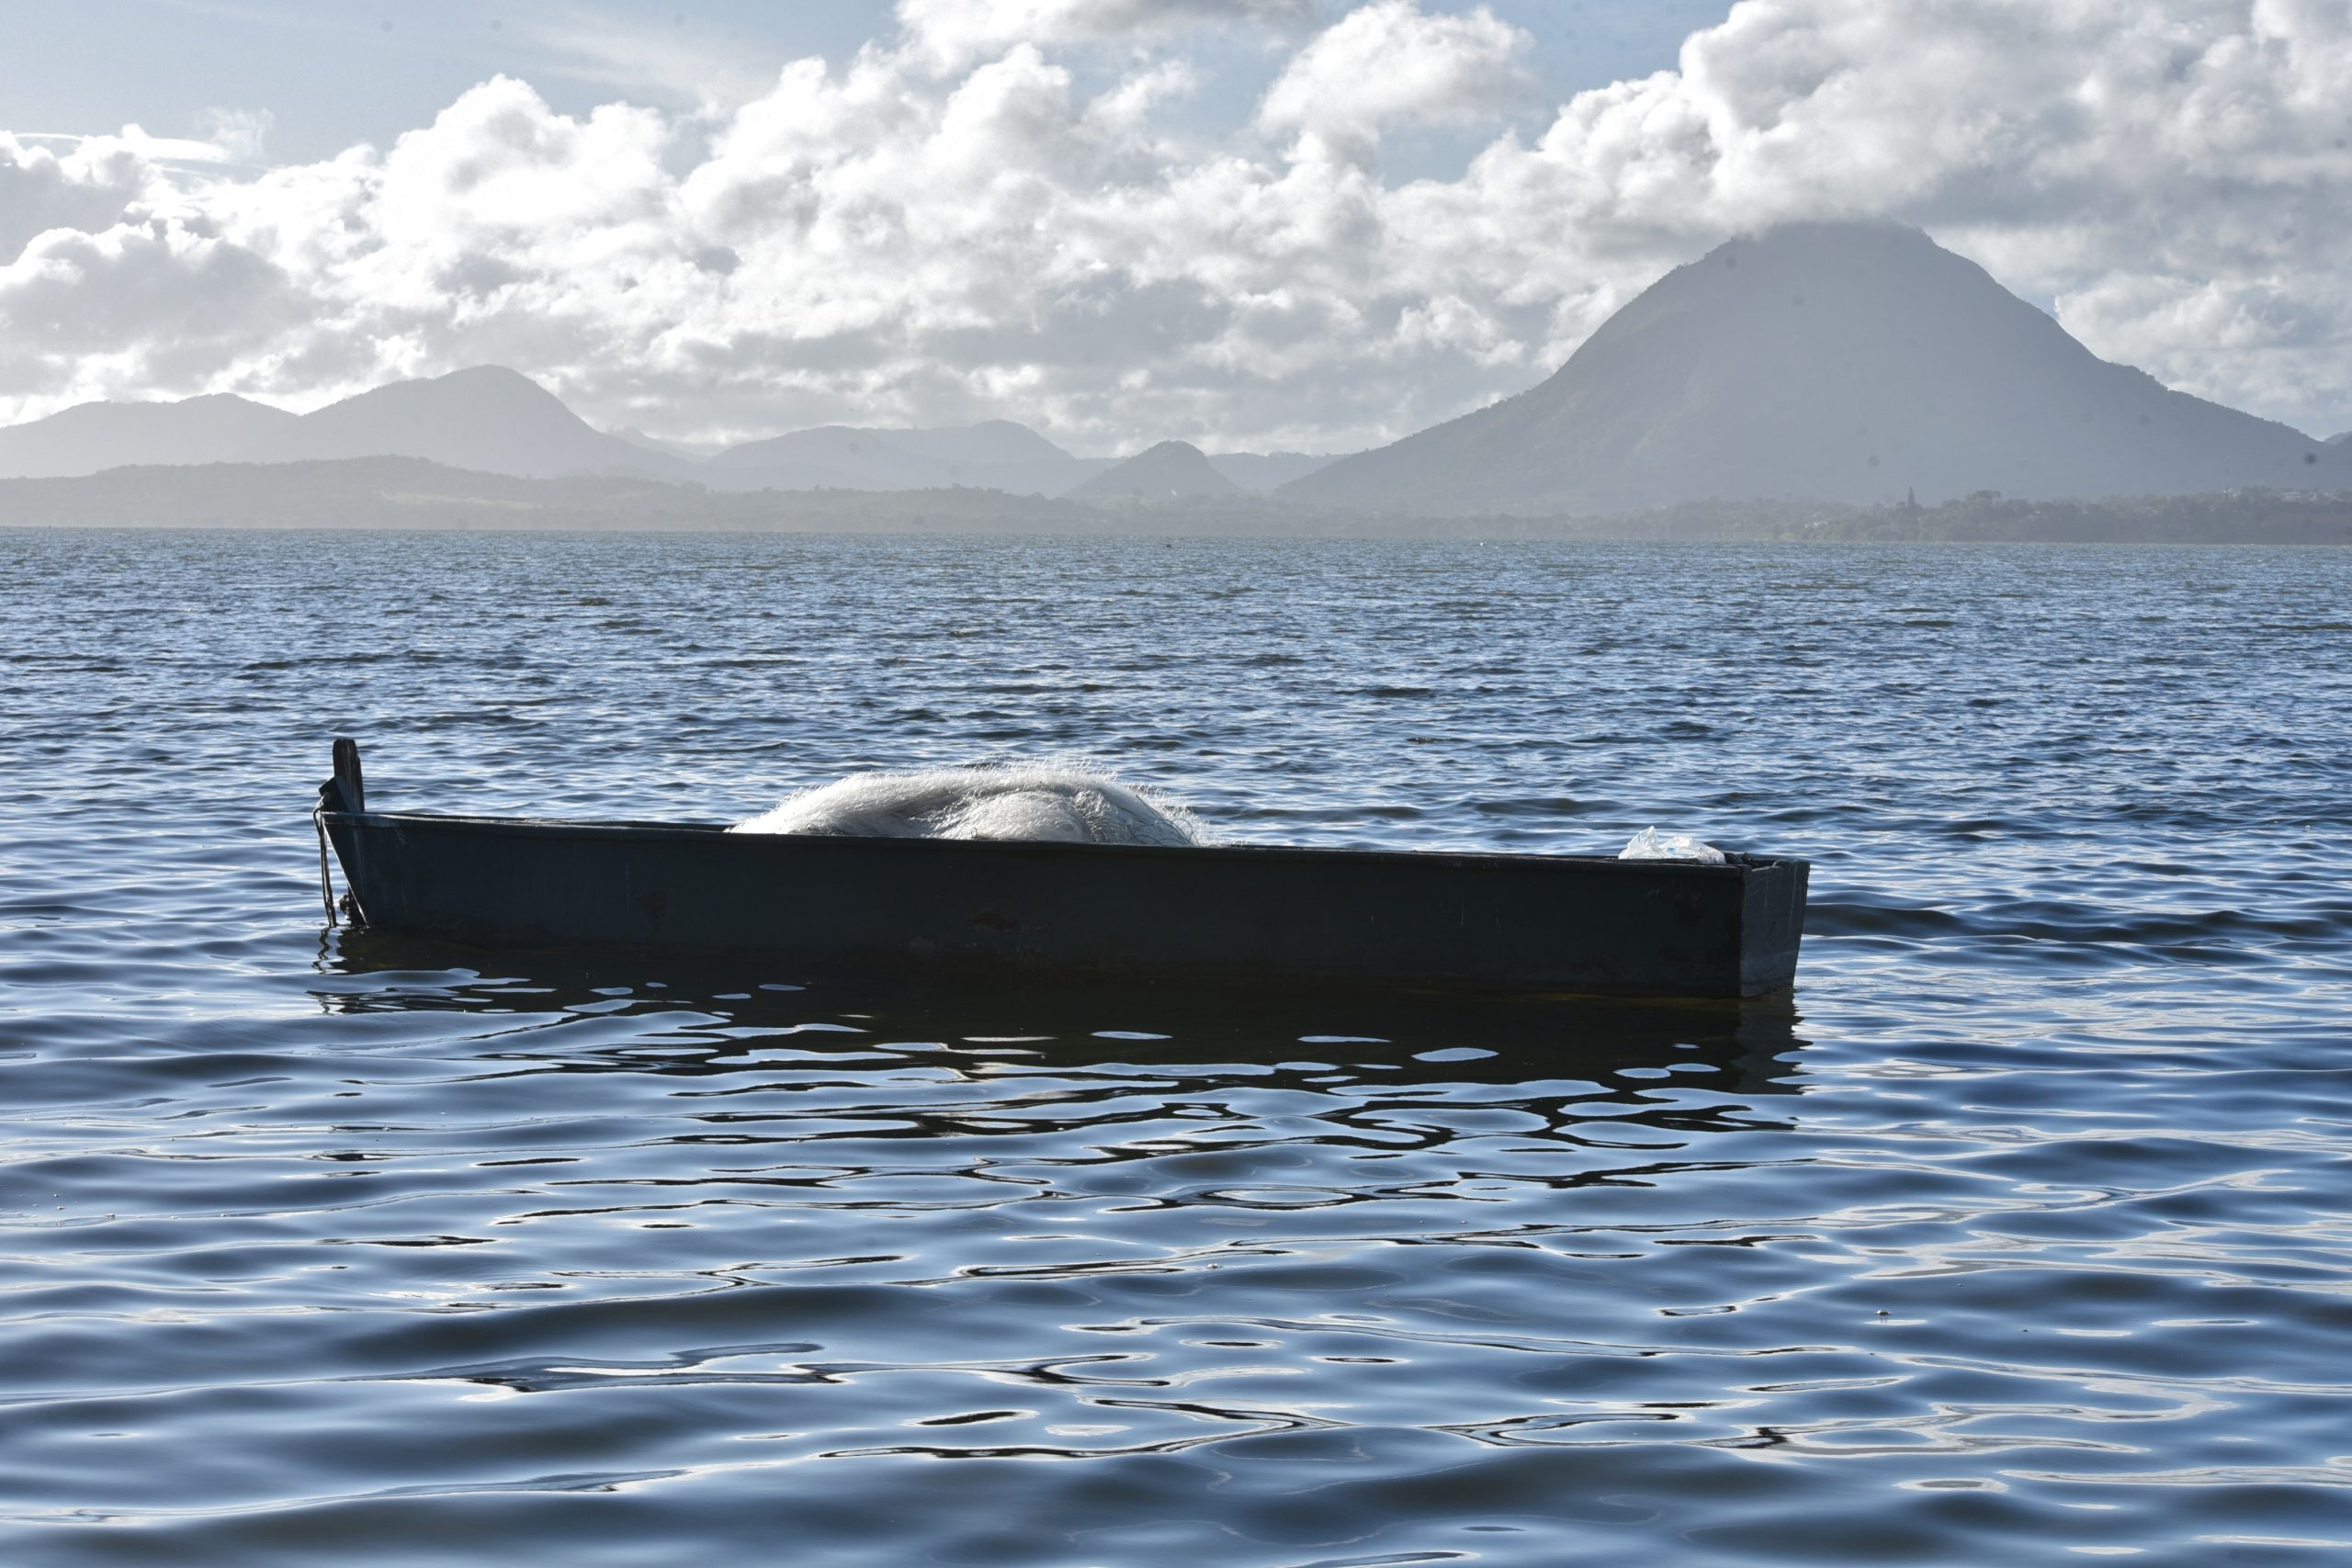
[
  {"x": 1650, "y": 844},
  {"x": 1058, "y": 803}
]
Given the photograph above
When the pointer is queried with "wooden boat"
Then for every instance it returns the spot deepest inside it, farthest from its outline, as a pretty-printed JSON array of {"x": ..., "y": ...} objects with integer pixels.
[{"x": 1240, "y": 914}]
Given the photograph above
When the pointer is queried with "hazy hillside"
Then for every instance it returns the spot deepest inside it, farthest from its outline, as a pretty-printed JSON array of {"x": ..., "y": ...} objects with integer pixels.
[
  {"x": 1170, "y": 470},
  {"x": 827, "y": 457},
  {"x": 644, "y": 443},
  {"x": 1845, "y": 361},
  {"x": 488, "y": 418},
  {"x": 409, "y": 492},
  {"x": 1263, "y": 471},
  {"x": 94, "y": 437},
  {"x": 994, "y": 455},
  {"x": 991, "y": 441},
  {"x": 492, "y": 420}
]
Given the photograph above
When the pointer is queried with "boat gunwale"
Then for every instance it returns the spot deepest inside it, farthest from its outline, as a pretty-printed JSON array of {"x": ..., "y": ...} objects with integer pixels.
[{"x": 697, "y": 832}]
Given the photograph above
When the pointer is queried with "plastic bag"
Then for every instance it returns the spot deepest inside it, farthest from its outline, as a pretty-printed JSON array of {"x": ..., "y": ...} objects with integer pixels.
[{"x": 1649, "y": 844}]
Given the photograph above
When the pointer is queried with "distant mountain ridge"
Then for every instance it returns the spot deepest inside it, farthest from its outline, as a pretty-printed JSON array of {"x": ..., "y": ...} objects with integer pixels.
[
  {"x": 994, "y": 454},
  {"x": 1170, "y": 470},
  {"x": 640, "y": 439},
  {"x": 1263, "y": 471},
  {"x": 91, "y": 436},
  {"x": 1851, "y": 363},
  {"x": 409, "y": 492},
  {"x": 1839, "y": 362},
  {"x": 487, "y": 419},
  {"x": 989, "y": 441}
]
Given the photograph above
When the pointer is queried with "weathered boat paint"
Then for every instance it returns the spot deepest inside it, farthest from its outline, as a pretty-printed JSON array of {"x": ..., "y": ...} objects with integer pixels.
[{"x": 1239, "y": 913}]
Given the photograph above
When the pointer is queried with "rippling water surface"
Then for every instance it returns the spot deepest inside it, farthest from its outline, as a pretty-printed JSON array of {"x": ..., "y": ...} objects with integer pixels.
[{"x": 2019, "y": 1233}]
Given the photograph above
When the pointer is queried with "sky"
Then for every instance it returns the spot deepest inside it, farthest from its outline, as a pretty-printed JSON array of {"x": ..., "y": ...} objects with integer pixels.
[{"x": 1254, "y": 224}]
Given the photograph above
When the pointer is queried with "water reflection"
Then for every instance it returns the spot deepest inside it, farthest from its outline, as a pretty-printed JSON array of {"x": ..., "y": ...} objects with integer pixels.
[{"x": 713, "y": 1016}]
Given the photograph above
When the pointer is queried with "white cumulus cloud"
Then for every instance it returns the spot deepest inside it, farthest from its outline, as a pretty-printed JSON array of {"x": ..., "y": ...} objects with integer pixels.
[
  {"x": 89, "y": 187},
  {"x": 1390, "y": 62},
  {"x": 991, "y": 214}
]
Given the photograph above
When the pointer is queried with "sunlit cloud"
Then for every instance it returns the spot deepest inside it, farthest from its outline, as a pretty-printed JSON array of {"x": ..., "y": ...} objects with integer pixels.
[
  {"x": 1016, "y": 210},
  {"x": 1391, "y": 63}
]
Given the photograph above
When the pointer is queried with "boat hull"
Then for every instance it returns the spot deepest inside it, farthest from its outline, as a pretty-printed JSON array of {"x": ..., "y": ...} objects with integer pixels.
[{"x": 1243, "y": 914}]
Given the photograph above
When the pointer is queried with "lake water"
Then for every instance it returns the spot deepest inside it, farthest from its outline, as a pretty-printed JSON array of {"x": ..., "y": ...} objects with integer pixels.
[{"x": 2020, "y": 1234}]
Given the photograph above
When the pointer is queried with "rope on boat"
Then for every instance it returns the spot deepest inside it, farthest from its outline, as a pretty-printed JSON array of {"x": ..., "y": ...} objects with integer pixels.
[{"x": 326, "y": 883}]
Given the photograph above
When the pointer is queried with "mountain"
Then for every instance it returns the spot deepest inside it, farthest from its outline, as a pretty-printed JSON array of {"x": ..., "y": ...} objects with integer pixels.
[
  {"x": 90, "y": 438},
  {"x": 488, "y": 419},
  {"x": 1849, "y": 362},
  {"x": 411, "y": 493},
  {"x": 831, "y": 457},
  {"x": 993, "y": 441},
  {"x": 1262, "y": 471},
  {"x": 994, "y": 455},
  {"x": 1171, "y": 469},
  {"x": 654, "y": 444},
  {"x": 2343, "y": 440}
]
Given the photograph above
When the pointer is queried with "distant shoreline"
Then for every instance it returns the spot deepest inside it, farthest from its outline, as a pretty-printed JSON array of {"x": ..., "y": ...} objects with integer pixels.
[{"x": 411, "y": 494}]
